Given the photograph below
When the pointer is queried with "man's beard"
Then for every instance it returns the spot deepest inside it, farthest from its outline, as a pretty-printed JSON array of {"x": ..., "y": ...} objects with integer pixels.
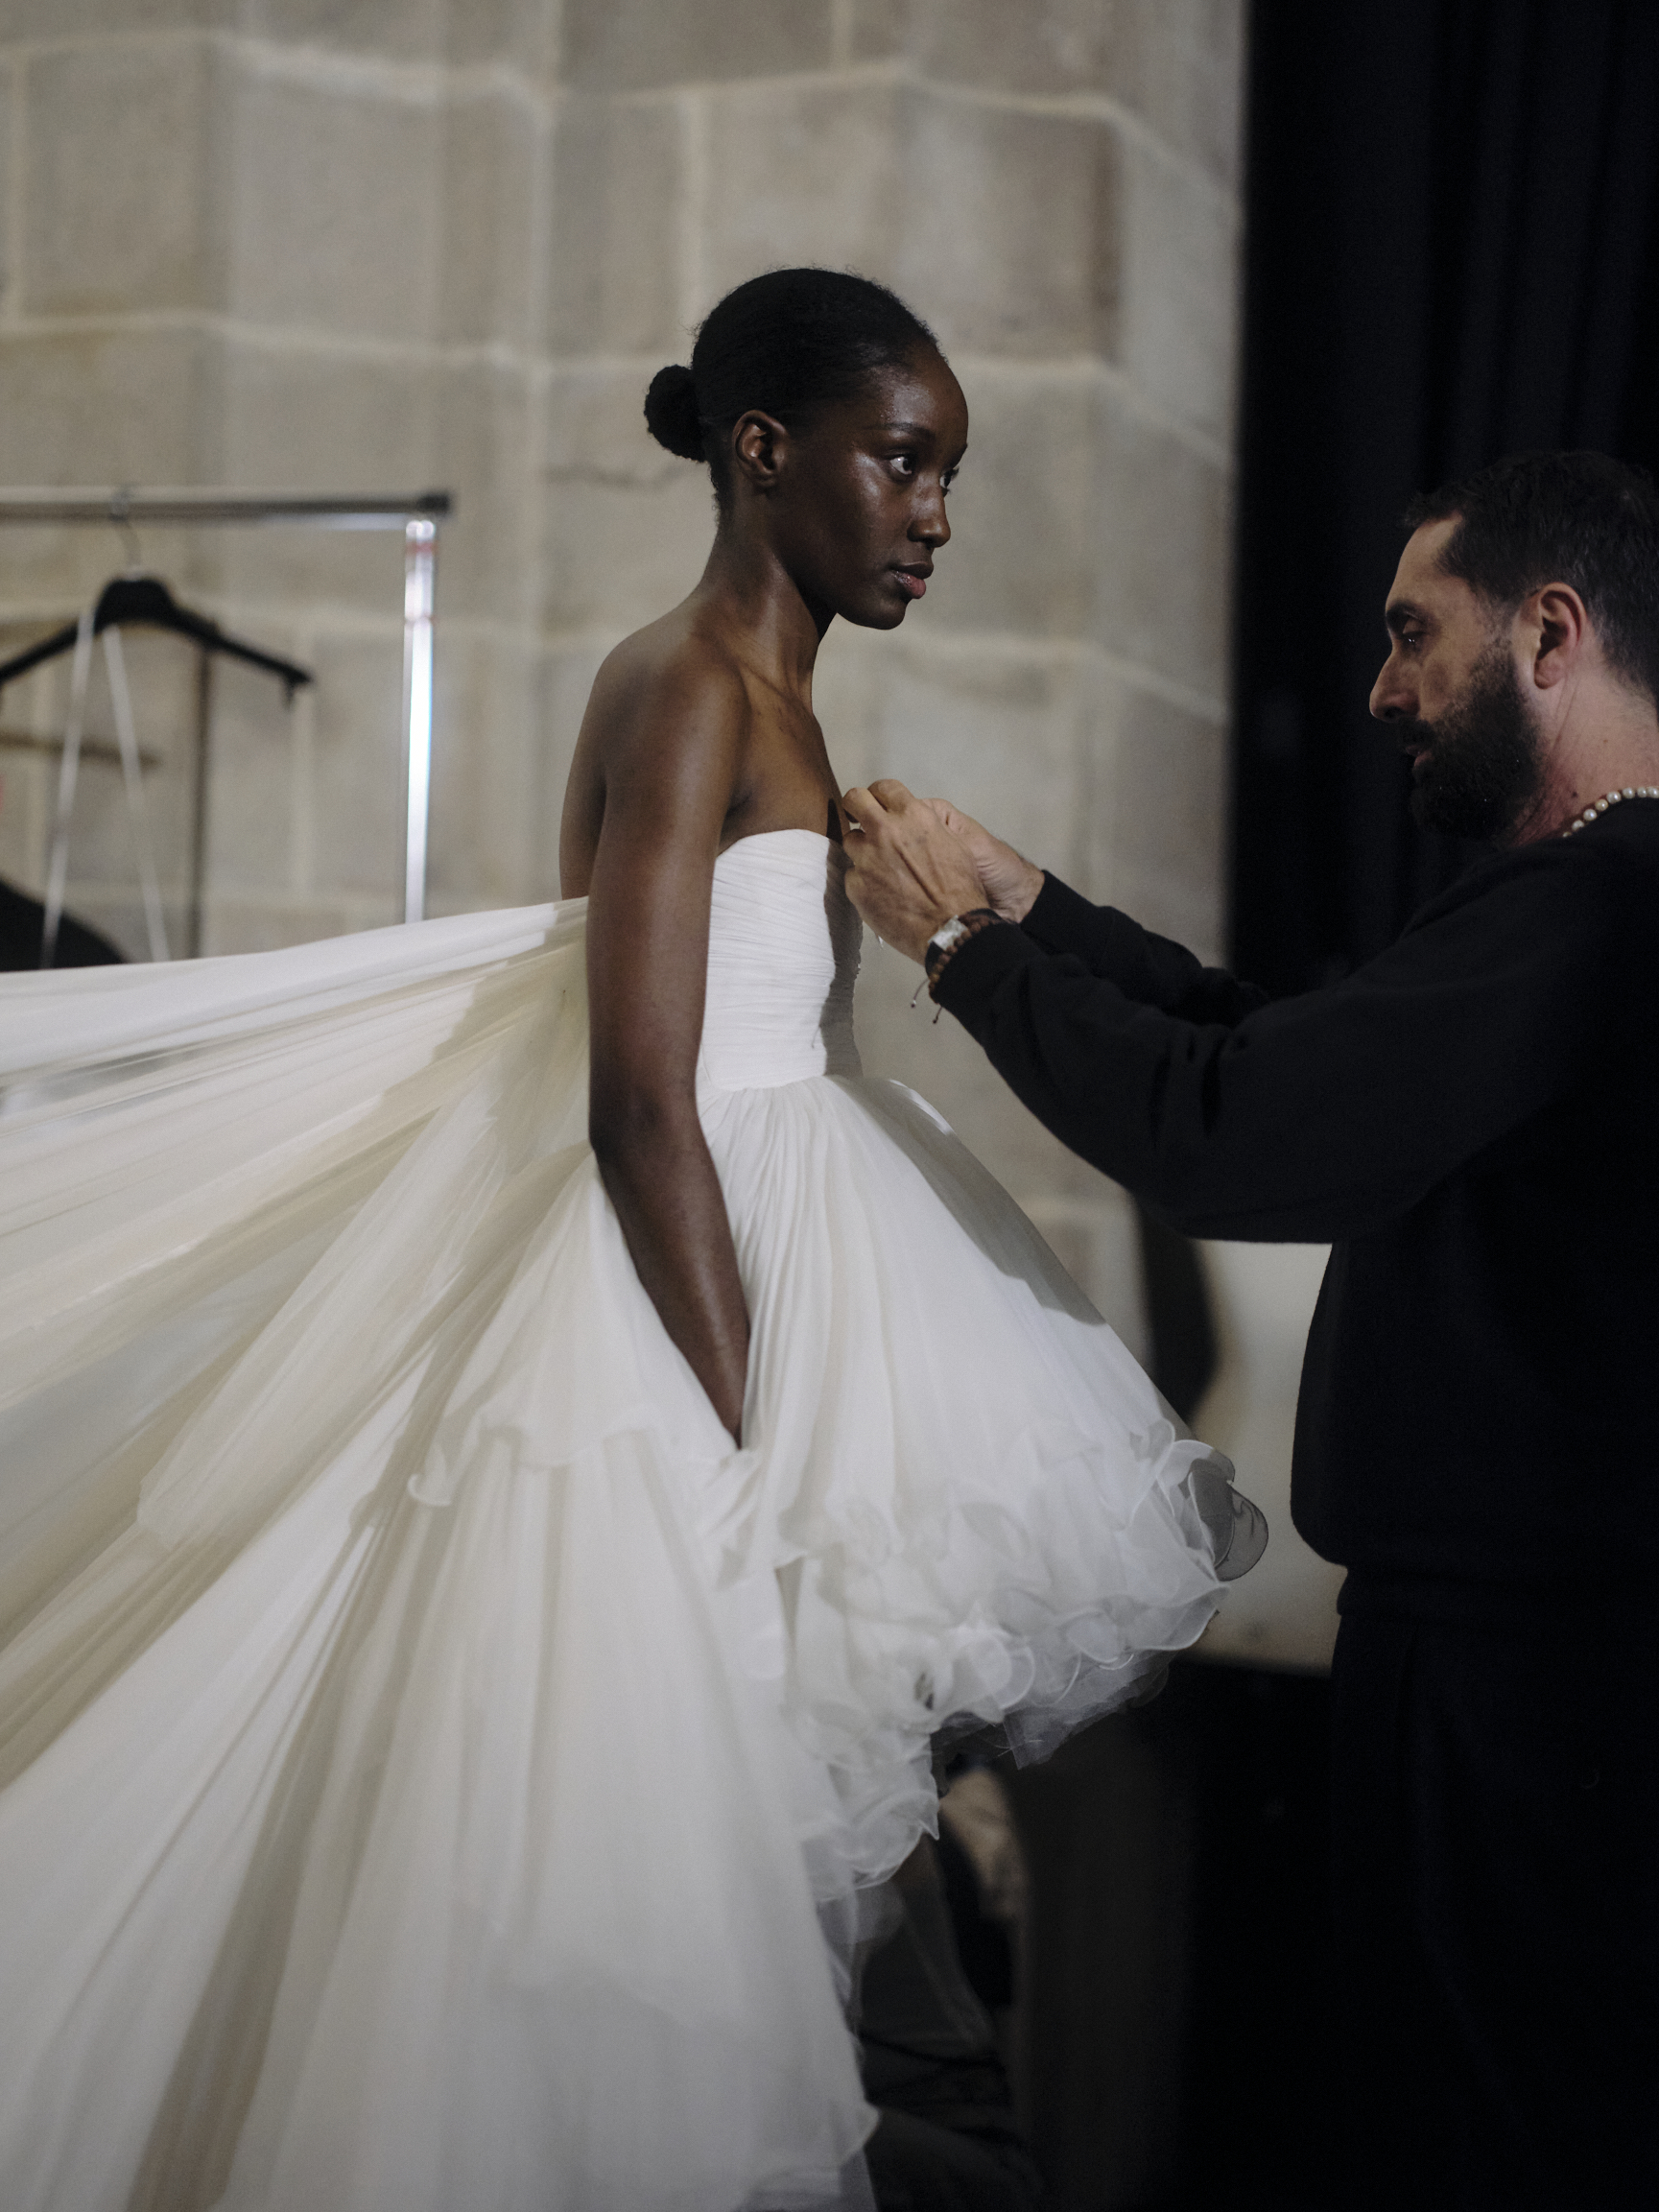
[{"x": 1486, "y": 765}]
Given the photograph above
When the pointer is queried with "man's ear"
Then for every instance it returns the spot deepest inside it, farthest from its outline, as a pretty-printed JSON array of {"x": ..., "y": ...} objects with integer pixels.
[
  {"x": 1561, "y": 623},
  {"x": 759, "y": 448}
]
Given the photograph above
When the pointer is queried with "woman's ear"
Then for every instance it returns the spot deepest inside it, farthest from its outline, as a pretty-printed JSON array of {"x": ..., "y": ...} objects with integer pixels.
[{"x": 759, "y": 446}]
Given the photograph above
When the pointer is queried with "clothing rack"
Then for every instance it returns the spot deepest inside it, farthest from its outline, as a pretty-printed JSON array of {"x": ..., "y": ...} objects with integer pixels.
[{"x": 121, "y": 506}]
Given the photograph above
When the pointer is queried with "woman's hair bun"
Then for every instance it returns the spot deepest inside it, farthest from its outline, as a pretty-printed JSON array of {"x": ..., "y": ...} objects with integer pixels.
[{"x": 671, "y": 415}]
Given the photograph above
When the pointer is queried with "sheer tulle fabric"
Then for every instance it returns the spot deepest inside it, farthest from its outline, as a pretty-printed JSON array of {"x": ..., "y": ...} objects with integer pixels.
[{"x": 428, "y": 1747}]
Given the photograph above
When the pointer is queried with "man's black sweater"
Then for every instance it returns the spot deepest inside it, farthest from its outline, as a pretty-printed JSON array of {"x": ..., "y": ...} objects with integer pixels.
[{"x": 1471, "y": 1119}]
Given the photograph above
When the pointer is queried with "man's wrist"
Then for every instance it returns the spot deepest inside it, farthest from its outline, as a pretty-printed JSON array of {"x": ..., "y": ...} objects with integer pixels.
[
  {"x": 980, "y": 962},
  {"x": 952, "y": 934},
  {"x": 1014, "y": 906}
]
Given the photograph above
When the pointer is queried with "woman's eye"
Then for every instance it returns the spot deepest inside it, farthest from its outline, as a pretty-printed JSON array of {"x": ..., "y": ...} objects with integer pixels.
[{"x": 905, "y": 464}]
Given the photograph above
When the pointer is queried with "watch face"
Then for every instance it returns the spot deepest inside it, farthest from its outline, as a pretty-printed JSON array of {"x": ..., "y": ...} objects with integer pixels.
[{"x": 942, "y": 940}]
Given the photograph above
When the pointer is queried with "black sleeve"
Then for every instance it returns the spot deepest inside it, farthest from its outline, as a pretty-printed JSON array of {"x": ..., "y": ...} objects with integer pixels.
[
  {"x": 1151, "y": 970},
  {"x": 1318, "y": 1117}
]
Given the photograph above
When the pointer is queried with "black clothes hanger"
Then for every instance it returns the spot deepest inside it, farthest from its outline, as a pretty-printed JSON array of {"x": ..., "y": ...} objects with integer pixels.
[
  {"x": 147, "y": 601},
  {"x": 23, "y": 929}
]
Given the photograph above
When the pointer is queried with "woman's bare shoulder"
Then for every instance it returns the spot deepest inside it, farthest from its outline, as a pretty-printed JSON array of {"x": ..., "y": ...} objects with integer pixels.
[
  {"x": 671, "y": 683},
  {"x": 662, "y": 743}
]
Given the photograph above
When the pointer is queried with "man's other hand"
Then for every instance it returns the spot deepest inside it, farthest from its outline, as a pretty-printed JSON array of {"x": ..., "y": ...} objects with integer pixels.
[
  {"x": 909, "y": 873},
  {"x": 1009, "y": 882}
]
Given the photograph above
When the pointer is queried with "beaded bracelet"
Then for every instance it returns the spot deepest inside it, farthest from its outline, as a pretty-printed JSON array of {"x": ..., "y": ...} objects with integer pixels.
[{"x": 961, "y": 927}]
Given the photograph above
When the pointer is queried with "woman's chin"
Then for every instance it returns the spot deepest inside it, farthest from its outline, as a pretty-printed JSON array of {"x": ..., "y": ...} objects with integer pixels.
[{"x": 875, "y": 610}]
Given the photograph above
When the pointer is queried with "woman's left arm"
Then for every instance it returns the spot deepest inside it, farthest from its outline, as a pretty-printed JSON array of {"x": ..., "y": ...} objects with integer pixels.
[{"x": 670, "y": 748}]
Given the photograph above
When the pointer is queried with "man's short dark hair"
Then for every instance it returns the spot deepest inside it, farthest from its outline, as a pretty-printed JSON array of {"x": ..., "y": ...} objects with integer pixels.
[{"x": 1577, "y": 518}]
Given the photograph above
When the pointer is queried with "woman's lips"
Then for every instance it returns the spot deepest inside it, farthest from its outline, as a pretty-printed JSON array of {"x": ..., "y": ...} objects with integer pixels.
[{"x": 913, "y": 580}]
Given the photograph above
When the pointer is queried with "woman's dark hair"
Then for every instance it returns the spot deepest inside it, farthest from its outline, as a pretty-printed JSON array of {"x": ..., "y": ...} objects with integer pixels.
[
  {"x": 1577, "y": 518},
  {"x": 786, "y": 343}
]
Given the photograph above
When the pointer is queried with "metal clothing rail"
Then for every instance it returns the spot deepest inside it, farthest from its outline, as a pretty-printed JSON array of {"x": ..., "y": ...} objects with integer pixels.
[{"x": 417, "y": 516}]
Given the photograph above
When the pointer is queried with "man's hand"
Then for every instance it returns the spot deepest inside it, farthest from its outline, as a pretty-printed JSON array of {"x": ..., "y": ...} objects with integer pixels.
[
  {"x": 909, "y": 873},
  {"x": 1009, "y": 882}
]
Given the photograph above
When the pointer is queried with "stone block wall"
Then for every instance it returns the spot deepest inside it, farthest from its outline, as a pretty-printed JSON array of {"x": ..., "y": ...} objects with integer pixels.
[{"x": 387, "y": 244}]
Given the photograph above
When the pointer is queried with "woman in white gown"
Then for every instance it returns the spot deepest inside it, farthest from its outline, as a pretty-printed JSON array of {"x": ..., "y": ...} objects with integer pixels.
[{"x": 477, "y": 1601}]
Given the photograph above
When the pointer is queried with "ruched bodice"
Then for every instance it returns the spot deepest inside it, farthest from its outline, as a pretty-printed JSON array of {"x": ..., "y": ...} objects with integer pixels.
[{"x": 783, "y": 957}]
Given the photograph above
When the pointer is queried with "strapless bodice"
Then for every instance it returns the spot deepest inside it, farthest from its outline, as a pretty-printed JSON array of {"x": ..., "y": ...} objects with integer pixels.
[{"x": 783, "y": 957}]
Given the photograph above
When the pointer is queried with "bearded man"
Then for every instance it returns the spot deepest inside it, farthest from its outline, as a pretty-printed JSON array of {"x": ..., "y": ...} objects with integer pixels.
[{"x": 1470, "y": 1121}]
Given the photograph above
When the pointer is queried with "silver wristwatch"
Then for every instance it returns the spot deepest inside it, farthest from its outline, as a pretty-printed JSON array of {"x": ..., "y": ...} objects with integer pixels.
[{"x": 944, "y": 940}]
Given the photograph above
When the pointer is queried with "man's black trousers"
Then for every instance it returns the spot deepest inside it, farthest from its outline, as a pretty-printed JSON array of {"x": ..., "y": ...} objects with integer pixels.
[{"x": 1497, "y": 1896}]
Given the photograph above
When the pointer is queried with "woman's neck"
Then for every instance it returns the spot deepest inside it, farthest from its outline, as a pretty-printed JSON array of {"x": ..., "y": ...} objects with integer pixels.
[{"x": 761, "y": 613}]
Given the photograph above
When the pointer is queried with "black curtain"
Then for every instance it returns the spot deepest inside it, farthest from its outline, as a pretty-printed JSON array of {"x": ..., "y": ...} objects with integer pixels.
[{"x": 1451, "y": 253}]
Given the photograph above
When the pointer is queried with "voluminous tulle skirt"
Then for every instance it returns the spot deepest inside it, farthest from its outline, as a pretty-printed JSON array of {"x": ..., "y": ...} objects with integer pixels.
[{"x": 432, "y": 1753}]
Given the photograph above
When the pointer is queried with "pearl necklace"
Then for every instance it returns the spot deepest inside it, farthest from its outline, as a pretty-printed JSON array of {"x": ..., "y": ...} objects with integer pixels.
[{"x": 1612, "y": 798}]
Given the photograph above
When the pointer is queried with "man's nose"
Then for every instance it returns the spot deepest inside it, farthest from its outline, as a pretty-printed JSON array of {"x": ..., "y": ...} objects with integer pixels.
[{"x": 1390, "y": 700}]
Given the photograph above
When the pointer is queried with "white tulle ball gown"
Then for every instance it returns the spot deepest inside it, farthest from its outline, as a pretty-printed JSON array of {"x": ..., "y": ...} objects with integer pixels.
[{"x": 432, "y": 1753}]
